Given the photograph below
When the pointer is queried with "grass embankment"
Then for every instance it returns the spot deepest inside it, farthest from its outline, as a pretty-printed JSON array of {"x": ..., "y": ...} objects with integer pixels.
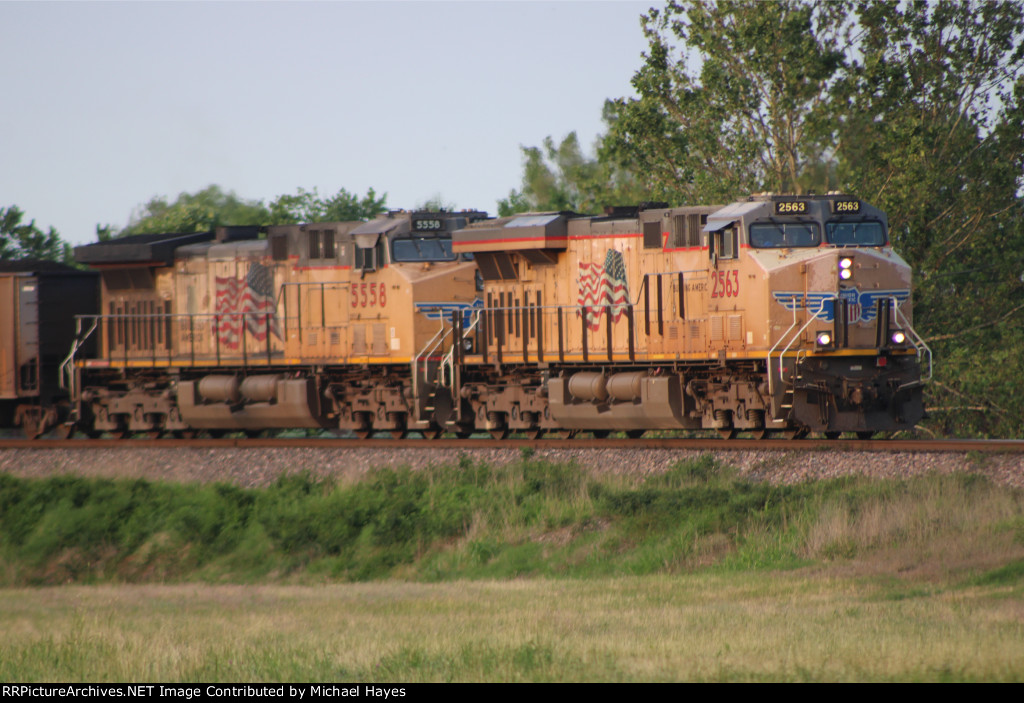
[
  {"x": 530, "y": 518},
  {"x": 694, "y": 574}
]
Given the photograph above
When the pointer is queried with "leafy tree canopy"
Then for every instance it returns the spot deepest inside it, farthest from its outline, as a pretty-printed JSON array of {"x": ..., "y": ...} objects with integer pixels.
[
  {"x": 436, "y": 203},
  {"x": 19, "y": 240},
  {"x": 213, "y": 207},
  {"x": 561, "y": 177},
  {"x": 734, "y": 97},
  {"x": 309, "y": 206}
]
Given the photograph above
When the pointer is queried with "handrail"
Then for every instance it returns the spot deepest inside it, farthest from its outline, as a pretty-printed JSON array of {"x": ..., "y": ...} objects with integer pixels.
[
  {"x": 435, "y": 341},
  {"x": 194, "y": 321},
  {"x": 771, "y": 390},
  {"x": 643, "y": 281},
  {"x": 919, "y": 344},
  {"x": 782, "y": 354},
  {"x": 448, "y": 360},
  {"x": 810, "y": 319}
]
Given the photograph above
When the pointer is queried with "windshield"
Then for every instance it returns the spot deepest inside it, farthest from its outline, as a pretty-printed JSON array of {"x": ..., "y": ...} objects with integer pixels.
[
  {"x": 778, "y": 235},
  {"x": 422, "y": 249},
  {"x": 855, "y": 234}
]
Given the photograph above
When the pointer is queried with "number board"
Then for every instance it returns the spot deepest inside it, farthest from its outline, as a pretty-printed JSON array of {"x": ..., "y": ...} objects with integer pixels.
[
  {"x": 791, "y": 207},
  {"x": 845, "y": 206},
  {"x": 433, "y": 225}
]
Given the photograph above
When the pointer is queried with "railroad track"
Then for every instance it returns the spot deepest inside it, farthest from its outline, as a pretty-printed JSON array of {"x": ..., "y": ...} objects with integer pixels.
[{"x": 1011, "y": 446}]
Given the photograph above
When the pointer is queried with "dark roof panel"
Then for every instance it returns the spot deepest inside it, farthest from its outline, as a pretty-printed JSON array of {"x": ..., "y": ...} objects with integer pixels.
[
  {"x": 138, "y": 248},
  {"x": 34, "y": 266}
]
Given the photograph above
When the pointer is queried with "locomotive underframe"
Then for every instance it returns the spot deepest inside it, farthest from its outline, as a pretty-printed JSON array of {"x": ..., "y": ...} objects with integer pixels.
[
  {"x": 828, "y": 394},
  {"x": 852, "y": 393}
]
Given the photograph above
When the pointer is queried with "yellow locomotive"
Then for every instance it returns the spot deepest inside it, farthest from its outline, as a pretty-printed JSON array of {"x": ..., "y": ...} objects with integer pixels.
[
  {"x": 776, "y": 313},
  {"x": 331, "y": 325}
]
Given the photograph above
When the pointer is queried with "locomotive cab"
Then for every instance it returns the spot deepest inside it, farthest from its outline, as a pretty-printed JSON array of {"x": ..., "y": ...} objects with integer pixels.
[{"x": 844, "y": 356}]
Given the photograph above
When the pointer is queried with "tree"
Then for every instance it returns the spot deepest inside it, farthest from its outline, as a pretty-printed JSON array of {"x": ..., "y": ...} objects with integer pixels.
[
  {"x": 932, "y": 129},
  {"x": 212, "y": 207},
  {"x": 195, "y": 212},
  {"x": 742, "y": 106},
  {"x": 308, "y": 206},
  {"x": 931, "y": 125},
  {"x": 27, "y": 241},
  {"x": 435, "y": 203},
  {"x": 562, "y": 177}
]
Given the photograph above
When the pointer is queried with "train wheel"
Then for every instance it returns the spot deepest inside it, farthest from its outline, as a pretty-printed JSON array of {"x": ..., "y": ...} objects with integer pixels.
[
  {"x": 31, "y": 428},
  {"x": 865, "y": 434},
  {"x": 832, "y": 435},
  {"x": 432, "y": 433},
  {"x": 118, "y": 434},
  {"x": 65, "y": 430},
  {"x": 796, "y": 434},
  {"x": 185, "y": 434},
  {"x": 762, "y": 433},
  {"x": 152, "y": 434},
  {"x": 464, "y": 434},
  {"x": 363, "y": 434},
  {"x": 566, "y": 434},
  {"x": 635, "y": 434},
  {"x": 400, "y": 431},
  {"x": 534, "y": 433},
  {"x": 215, "y": 434},
  {"x": 728, "y": 432},
  {"x": 600, "y": 434},
  {"x": 499, "y": 433}
]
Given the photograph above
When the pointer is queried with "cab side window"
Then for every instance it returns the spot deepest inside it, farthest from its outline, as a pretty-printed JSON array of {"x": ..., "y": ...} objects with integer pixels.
[
  {"x": 366, "y": 259},
  {"x": 722, "y": 243}
]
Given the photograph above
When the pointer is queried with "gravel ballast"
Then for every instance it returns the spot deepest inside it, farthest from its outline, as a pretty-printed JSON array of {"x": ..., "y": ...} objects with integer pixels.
[{"x": 262, "y": 466}]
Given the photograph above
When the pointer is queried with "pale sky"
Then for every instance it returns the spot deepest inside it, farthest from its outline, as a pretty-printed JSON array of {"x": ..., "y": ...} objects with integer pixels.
[{"x": 105, "y": 105}]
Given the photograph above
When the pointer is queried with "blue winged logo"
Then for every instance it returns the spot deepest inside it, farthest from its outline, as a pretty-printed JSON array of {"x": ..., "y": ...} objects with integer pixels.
[
  {"x": 434, "y": 311},
  {"x": 861, "y": 307}
]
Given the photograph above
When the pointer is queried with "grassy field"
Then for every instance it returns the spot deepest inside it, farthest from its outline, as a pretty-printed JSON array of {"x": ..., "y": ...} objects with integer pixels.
[
  {"x": 806, "y": 625},
  {"x": 530, "y": 572}
]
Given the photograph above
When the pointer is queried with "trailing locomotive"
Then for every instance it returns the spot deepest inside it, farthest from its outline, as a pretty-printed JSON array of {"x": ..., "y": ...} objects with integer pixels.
[
  {"x": 773, "y": 314},
  {"x": 330, "y": 325}
]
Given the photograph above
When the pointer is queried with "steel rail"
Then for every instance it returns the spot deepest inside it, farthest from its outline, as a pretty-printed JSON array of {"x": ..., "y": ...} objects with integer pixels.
[{"x": 784, "y": 445}]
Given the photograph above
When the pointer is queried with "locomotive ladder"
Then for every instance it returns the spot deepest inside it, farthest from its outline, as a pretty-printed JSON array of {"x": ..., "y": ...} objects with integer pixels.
[
  {"x": 432, "y": 347},
  {"x": 66, "y": 378},
  {"x": 788, "y": 391}
]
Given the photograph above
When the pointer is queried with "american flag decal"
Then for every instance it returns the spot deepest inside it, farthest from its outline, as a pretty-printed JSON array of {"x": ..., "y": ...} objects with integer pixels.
[
  {"x": 601, "y": 286},
  {"x": 253, "y": 296}
]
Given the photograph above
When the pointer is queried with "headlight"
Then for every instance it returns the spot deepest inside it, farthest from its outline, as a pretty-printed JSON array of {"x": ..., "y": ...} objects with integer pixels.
[
  {"x": 824, "y": 339},
  {"x": 898, "y": 337},
  {"x": 846, "y": 268}
]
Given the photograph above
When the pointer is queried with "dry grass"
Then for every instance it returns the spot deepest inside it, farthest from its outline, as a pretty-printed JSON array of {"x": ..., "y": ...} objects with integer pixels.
[
  {"x": 935, "y": 528},
  {"x": 775, "y": 626}
]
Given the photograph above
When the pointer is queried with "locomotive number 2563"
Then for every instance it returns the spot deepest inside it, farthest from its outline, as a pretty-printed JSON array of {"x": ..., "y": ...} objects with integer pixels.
[
  {"x": 372, "y": 294},
  {"x": 726, "y": 284}
]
